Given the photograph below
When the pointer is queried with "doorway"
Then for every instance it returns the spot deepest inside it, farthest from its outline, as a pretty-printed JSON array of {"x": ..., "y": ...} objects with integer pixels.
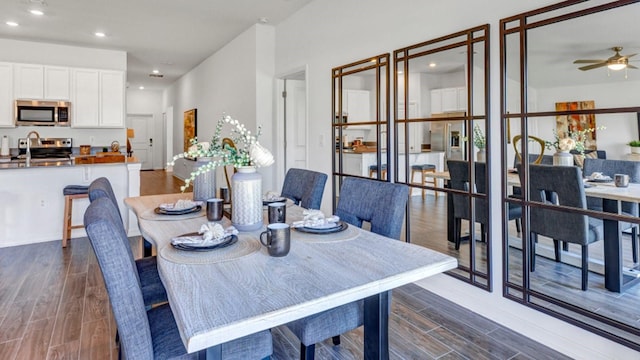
[
  {"x": 142, "y": 142},
  {"x": 292, "y": 137}
]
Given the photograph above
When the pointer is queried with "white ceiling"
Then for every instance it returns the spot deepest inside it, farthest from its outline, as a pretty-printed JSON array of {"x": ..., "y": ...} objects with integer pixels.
[{"x": 168, "y": 35}]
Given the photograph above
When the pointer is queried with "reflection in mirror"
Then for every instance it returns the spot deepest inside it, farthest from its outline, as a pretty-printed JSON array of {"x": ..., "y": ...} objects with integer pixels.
[
  {"x": 360, "y": 108},
  {"x": 576, "y": 252},
  {"x": 440, "y": 89}
]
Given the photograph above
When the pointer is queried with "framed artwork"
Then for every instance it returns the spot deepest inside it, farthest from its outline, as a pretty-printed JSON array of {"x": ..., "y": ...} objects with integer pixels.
[
  {"x": 190, "y": 126},
  {"x": 577, "y": 122}
]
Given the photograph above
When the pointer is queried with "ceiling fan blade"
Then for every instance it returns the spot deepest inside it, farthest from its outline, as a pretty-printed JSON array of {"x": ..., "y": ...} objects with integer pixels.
[
  {"x": 594, "y": 66},
  {"x": 628, "y": 56},
  {"x": 631, "y": 67},
  {"x": 587, "y": 61}
]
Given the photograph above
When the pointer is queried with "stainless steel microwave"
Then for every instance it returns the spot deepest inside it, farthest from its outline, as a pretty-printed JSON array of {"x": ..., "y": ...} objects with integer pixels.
[{"x": 42, "y": 113}]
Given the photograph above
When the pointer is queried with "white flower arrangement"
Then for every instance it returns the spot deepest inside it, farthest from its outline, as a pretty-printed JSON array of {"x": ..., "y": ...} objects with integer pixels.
[{"x": 247, "y": 150}]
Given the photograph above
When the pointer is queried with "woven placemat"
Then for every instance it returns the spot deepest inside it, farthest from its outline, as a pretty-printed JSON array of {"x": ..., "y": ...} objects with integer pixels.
[
  {"x": 246, "y": 245},
  {"x": 349, "y": 233},
  {"x": 151, "y": 215}
]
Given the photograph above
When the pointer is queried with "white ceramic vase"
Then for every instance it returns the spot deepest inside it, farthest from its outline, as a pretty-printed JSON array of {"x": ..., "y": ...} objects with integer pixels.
[
  {"x": 563, "y": 158},
  {"x": 481, "y": 155},
  {"x": 204, "y": 185},
  {"x": 246, "y": 199}
]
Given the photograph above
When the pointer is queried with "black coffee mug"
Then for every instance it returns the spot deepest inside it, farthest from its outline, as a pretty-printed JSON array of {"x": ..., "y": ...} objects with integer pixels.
[
  {"x": 277, "y": 212},
  {"x": 214, "y": 209},
  {"x": 277, "y": 239}
]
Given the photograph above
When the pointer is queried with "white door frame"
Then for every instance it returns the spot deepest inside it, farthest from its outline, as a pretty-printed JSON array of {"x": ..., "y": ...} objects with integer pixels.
[{"x": 300, "y": 73}]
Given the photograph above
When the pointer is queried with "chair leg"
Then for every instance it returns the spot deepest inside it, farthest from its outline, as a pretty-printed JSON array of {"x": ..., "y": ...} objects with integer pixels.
[
  {"x": 307, "y": 352},
  {"x": 457, "y": 229},
  {"x": 532, "y": 252},
  {"x": 423, "y": 181},
  {"x": 556, "y": 250},
  {"x": 483, "y": 233},
  {"x": 518, "y": 225},
  {"x": 336, "y": 340},
  {"x": 634, "y": 243},
  {"x": 68, "y": 210},
  {"x": 565, "y": 246},
  {"x": 585, "y": 266}
]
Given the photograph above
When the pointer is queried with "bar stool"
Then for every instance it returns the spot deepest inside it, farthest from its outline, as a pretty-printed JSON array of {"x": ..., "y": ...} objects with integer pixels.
[
  {"x": 424, "y": 169},
  {"x": 71, "y": 192},
  {"x": 374, "y": 169}
]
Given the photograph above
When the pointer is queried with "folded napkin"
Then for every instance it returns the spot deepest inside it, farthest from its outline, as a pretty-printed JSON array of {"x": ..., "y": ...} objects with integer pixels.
[
  {"x": 598, "y": 176},
  {"x": 179, "y": 205},
  {"x": 316, "y": 219},
  {"x": 210, "y": 234},
  {"x": 271, "y": 196}
]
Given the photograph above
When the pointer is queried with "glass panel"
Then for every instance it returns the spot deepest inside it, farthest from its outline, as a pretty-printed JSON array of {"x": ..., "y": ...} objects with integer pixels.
[
  {"x": 572, "y": 92},
  {"x": 432, "y": 127}
]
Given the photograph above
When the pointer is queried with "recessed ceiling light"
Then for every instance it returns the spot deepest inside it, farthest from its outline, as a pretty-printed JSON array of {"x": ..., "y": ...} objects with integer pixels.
[
  {"x": 155, "y": 71},
  {"x": 141, "y": 88},
  {"x": 100, "y": 34},
  {"x": 12, "y": 23},
  {"x": 36, "y": 12},
  {"x": 432, "y": 64}
]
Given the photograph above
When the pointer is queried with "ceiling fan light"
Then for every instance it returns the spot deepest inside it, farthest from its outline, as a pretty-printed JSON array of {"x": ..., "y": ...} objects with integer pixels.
[{"x": 616, "y": 67}]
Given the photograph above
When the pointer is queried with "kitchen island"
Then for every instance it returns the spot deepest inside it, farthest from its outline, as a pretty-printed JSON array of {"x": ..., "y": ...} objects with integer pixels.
[
  {"x": 33, "y": 204},
  {"x": 357, "y": 163}
]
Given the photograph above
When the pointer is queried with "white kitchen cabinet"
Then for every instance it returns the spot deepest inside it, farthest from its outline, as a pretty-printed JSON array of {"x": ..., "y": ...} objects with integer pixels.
[
  {"x": 29, "y": 81},
  {"x": 41, "y": 82},
  {"x": 112, "y": 99},
  {"x": 57, "y": 83},
  {"x": 6, "y": 95},
  {"x": 358, "y": 107},
  {"x": 98, "y": 98},
  {"x": 448, "y": 100}
]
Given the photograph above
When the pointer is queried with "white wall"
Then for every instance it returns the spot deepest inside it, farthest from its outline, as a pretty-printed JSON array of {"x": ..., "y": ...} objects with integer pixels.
[
  {"x": 63, "y": 55},
  {"x": 322, "y": 37},
  {"x": 237, "y": 80},
  {"x": 149, "y": 102}
]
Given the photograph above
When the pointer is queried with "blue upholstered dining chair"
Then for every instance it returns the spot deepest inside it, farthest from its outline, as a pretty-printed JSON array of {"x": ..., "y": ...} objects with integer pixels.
[
  {"x": 610, "y": 168},
  {"x": 151, "y": 334},
  {"x": 561, "y": 185},
  {"x": 304, "y": 187},
  {"x": 459, "y": 180},
  {"x": 153, "y": 291},
  {"x": 383, "y": 205}
]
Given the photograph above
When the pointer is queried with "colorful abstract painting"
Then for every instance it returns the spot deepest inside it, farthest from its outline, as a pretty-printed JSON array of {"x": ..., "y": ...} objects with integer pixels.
[
  {"x": 577, "y": 122},
  {"x": 190, "y": 125}
]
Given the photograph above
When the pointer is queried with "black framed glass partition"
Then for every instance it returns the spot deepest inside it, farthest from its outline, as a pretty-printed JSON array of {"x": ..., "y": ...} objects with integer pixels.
[
  {"x": 440, "y": 119},
  {"x": 569, "y": 109}
]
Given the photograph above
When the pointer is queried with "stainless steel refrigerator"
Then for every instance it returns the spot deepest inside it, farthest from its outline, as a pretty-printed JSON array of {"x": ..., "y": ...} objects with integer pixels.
[{"x": 448, "y": 136}]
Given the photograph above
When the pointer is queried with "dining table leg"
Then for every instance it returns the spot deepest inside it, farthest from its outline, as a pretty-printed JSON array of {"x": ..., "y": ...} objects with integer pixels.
[
  {"x": 212, "y": 353},
  {"x": 613, "y": 277},
  {"x": 376, "y": 327}
]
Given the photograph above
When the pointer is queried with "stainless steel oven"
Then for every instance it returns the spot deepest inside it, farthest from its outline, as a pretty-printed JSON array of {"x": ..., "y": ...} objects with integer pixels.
[{"x": 42, "y": 113}]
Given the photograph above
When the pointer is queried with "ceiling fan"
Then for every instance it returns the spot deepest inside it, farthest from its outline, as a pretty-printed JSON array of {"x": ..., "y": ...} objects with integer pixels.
[{"x": 616, "y": 62}]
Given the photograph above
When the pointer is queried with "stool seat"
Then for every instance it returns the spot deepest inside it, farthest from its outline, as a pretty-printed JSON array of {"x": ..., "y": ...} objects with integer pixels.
[
  {"x": 75, "y": 190},
  {"x": 71, "y": 192},
  {"x": 423, "y": 167},
  {"x": 375, "y": 167}
]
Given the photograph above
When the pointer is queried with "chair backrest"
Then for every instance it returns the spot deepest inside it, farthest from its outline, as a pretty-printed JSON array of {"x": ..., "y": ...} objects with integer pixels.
[
  {"x": 562, "y": 185},
  {"x": 107, "y": 236},
  {"x": 101, "y": 187},
  {"x": 545, "y": 160},
  {"x": 611, "y": 167},
  {"x": 382, "y": 204},
  {"x": 304, "y": 187},
  {"x": 459, "y": 180}
]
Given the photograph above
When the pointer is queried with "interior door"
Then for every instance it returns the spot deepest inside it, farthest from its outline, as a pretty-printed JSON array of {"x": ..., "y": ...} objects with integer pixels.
[
  {"x": 142, "y": 142},
  {"x": 295, "y": 124}
]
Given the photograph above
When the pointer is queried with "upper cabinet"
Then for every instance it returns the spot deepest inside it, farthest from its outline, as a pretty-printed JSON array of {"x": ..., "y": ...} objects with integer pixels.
[
  {"x": 32, "y": 81},
  {"x": 448, "y": 100},
  {"x": 98, "y": 98},
  {"x": 6, "y": 95}
]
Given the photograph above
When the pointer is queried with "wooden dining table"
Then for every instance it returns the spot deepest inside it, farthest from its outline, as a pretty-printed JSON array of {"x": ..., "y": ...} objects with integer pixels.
[
  {"x": 225, "y": 294},
  {"x": 616, "y": 277}
]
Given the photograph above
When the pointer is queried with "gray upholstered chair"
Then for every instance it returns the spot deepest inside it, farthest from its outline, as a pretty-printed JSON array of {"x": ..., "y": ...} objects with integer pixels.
[
  {"x": 562, "y": 185},
  {"x": 383, "y": 205},
  {"x": 153, "y": 291},
  {"x": 304, "y": 187},
  {"x": 459, "y": 180},
  {"x": 610, "y": 168},
  {"x": 151, "y": 334}
]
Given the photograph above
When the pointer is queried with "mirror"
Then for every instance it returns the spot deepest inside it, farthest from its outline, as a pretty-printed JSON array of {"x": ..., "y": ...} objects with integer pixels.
[
  {"x": 360, "y": 108},
  {"x": 541, "y": 271},
  {"x": 440, "y": 116}
]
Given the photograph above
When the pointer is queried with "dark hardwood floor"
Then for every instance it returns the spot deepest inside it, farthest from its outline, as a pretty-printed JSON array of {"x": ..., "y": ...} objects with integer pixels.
[{"x": 53, "y": 305}]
